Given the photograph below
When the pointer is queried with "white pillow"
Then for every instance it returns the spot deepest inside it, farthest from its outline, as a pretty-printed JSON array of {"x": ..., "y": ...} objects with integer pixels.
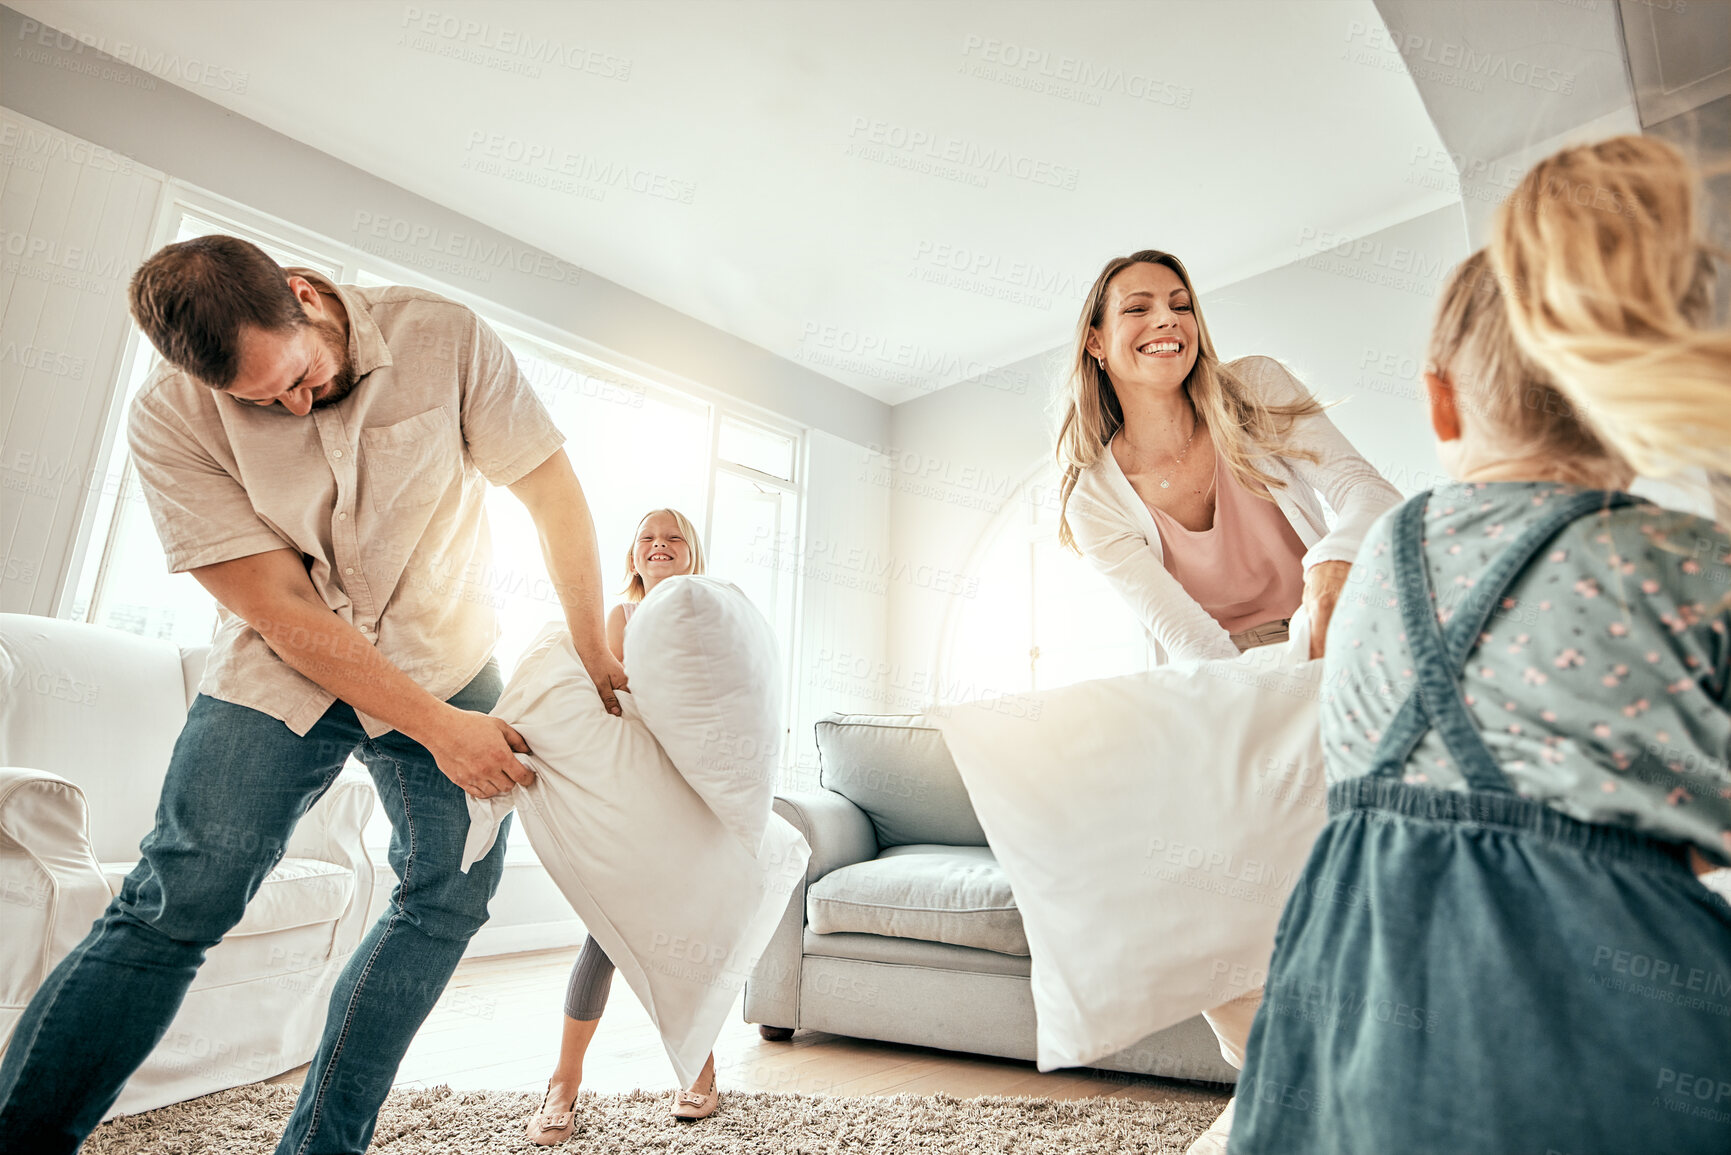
[
  {"x": 703, "y": 669},
  {"x": 682, "y": 909},
  {"x": 1151, "y": 827}
]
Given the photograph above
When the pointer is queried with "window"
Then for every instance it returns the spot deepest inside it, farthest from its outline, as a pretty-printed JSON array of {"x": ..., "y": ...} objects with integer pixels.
[
  {"x": 756, "y": 448},
  {"x": 754, "y": 529},
  {"x": 1043, "y": 616}
]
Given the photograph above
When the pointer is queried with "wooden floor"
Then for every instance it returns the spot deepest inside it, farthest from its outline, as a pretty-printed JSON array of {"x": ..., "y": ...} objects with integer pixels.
[{"x": 497, "y": 1028}]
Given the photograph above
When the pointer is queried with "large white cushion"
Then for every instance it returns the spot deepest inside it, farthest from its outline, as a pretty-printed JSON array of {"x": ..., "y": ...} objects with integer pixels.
[
  {"x": 1151, "y": 827},
  {"x": 98, "y": 707},
  {"x": 297, "y": 892},
  {"x": 703, "y": 669},
  {"x": 953, "y": 894},
  {"x": 664, "y": 885}
]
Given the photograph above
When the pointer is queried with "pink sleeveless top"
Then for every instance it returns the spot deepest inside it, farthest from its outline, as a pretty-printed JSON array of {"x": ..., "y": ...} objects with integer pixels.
[
  {"x": 629, "y": 608},
  {"x": 1245, "y": 569}
]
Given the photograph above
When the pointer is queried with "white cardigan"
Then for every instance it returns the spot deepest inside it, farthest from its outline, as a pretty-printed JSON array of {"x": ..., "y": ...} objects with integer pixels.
[{"x": 1116, "y": 532}]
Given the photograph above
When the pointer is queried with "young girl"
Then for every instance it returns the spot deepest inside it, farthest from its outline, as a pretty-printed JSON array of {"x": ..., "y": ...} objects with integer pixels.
[
  {"x": 666, "y": 545},
  {"x": 1499, "y": 943}
]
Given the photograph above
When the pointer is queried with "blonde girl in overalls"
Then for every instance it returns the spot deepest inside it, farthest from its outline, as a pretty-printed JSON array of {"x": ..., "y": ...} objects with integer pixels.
[{"x": 1500, "y": 943}]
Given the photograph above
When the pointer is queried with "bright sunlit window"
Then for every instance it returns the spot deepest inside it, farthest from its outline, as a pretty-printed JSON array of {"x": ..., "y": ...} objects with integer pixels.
[{"x": 1042, "y": 617}]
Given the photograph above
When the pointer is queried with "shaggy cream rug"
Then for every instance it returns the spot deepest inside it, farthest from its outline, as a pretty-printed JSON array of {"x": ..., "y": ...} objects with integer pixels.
[{"x": 248, "y": 1120}]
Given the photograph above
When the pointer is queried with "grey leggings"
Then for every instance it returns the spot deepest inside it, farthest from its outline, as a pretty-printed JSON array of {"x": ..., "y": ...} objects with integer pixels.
[{"x": 591, "y": 979}]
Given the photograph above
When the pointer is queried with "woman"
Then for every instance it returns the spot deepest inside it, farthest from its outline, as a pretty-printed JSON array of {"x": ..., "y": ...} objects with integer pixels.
[
  {"x": 1528, "y": 724},
  {"x": 1192, "y": 485}
]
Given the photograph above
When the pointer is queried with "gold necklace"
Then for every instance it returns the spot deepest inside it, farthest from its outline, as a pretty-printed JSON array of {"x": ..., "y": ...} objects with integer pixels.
[{"x": 1179, "y": 460}]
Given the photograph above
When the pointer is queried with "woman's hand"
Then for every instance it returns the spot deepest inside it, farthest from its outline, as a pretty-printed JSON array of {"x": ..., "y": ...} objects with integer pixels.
[{"x": 1322, "y": 585}]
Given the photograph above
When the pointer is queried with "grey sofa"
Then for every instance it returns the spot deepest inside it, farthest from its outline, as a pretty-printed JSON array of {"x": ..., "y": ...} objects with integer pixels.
[{"x": 904, "y": 929}]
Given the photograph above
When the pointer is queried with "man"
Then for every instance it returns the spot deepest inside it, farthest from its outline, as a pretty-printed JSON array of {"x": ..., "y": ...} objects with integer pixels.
[{"x": 317, "y": 457}]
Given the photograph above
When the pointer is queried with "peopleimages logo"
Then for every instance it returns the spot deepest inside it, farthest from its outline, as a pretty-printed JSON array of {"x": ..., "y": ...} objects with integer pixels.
[
  {"x": 483, "y": 253},
  {"x": 885, "y": 141},
  {"x": 995, "y": 275},
  {"x": 51, "y": 253},
  {"x": 900, "y": 362},
  {"x": 525, "y": 47},
  {"x": 1070, "y": 77},
  {"x": 1466, "y": 65},
  {"x": 166, "y": 65},
  {"x": 58, "y": 146},
  {"x": 51, "y": 361},
  {"x": 499, "y": 155}
]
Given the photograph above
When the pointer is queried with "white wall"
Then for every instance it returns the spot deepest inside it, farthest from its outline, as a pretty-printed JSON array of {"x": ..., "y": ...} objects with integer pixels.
[
  {"x": 1352, "y": 319},
  {"x": 1350, "y": 316},
  {"x": 846, "y": 572},
  {"x": 75, "y": 219}
]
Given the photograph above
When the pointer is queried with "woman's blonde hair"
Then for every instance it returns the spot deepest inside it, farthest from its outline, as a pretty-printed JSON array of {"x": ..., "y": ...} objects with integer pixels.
[
  {"x": 1496, "y": 386},
  {"x": 633, "y": 590},
  {"x": 1244, "y": 427},
  {"x": 1614, "y": 281}
]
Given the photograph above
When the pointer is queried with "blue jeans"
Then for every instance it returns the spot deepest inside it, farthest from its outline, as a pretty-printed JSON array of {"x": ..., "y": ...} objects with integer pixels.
[{"x": 236, "y": 785}]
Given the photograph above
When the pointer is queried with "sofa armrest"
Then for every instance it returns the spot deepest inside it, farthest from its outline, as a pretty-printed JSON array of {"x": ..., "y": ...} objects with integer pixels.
[
  {"x": 332, "y": 831},
  {"x": 51, "y": 889},
  {"x": 838, "y": 832}
]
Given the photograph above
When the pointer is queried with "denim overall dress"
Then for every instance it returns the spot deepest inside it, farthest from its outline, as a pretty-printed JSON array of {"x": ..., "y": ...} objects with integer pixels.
[{"x": 1475, "y": 973}]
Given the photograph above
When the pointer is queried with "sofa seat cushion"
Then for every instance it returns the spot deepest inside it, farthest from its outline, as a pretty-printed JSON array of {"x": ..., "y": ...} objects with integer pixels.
[
  {"x": 299, "y": 892},
  {"x": 913, "y": 952},
  {"x": 950, "y": 894}
]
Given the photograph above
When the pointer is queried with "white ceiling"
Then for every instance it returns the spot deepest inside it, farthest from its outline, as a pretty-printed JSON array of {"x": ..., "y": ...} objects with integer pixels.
[{"x": 1273, "y": 122}]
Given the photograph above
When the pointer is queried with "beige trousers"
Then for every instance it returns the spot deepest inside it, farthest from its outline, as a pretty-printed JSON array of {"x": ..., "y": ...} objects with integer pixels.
[
  {"x": 1231, "y": 1022},
  {"x": 1267, "y": 634}
]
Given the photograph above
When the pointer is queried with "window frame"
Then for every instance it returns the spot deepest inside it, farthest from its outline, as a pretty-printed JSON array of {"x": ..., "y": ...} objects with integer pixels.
[{"x": 794, "y": 542}]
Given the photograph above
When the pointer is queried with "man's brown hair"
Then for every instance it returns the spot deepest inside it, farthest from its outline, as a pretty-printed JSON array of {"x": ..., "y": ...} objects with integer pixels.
[{"x": 192, "y": 297}]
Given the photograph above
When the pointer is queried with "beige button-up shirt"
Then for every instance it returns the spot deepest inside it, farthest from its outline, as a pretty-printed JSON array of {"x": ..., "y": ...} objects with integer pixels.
[{"x": 381, "y": 494}]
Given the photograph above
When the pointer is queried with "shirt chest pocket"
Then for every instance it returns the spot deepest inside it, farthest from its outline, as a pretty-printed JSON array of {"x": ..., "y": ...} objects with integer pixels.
[{"x": 411, "y": 463}]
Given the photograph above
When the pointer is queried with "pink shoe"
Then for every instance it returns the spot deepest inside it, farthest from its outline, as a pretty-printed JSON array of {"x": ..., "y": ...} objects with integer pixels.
[
  {"x": 691, "y": 1106},
  {"x": 549, "y": 1128}
]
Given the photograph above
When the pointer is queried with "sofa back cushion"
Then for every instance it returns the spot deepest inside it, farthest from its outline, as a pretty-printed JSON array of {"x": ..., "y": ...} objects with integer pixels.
[
  {"x": 99, "y": 707},
  {"x": 896, "y": 768}
]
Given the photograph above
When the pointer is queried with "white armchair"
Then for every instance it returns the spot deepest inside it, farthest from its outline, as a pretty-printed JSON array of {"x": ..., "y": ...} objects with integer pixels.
[{"x": 88, "y": 720}]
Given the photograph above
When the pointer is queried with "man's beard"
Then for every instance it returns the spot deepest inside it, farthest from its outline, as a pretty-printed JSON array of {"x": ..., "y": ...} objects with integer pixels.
[{"x": 343, "y": 380}]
